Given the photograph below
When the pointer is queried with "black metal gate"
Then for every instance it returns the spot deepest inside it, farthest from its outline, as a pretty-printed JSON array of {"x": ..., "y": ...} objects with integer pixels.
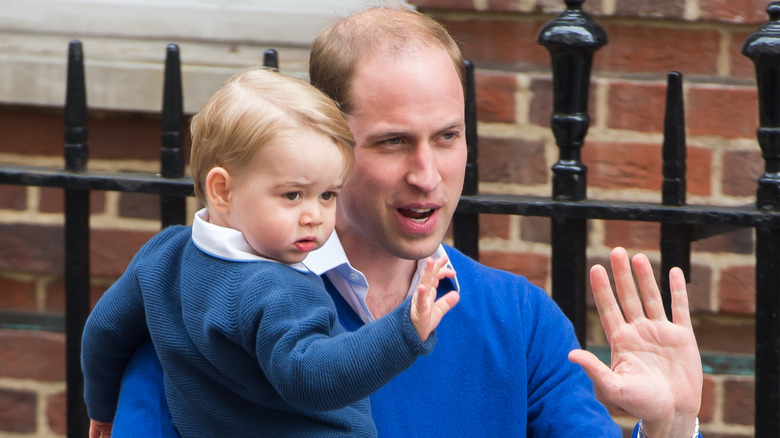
[{"x": 572, "y": 38}]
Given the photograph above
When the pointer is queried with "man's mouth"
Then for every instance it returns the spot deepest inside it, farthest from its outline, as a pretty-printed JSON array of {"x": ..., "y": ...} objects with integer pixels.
[{"x": 418, "y": 215}]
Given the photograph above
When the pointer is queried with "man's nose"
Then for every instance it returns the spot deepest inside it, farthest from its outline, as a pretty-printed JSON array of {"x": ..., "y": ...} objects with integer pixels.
[{"x": 423, "y": 169}]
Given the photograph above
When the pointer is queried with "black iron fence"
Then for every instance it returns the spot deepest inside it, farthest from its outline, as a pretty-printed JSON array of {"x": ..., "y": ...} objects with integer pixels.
[{"x": 572, "y": 39}]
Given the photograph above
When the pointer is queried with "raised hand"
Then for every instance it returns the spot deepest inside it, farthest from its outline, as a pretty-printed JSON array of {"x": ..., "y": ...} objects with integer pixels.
[
  {"x": 656, "y": 371},
  {"x": 426, "y": 311}
]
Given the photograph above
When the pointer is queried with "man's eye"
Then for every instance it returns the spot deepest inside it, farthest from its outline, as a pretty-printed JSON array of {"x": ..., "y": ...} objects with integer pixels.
[
  {"x": 393, "y": 141},
  {"x": 327, "y": 196},
  {"x": 292, "y": 196},
  {"x": 448, "y": 136}
]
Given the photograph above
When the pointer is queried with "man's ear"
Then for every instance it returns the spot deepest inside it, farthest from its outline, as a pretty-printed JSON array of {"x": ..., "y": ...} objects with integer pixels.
[{"x": 218, "y": 183}]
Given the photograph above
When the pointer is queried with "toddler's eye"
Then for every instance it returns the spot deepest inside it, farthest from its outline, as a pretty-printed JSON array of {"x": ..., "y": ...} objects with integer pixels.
[
  {"x": 292, "y": 196},
  {"x": 327, "y": 196}
]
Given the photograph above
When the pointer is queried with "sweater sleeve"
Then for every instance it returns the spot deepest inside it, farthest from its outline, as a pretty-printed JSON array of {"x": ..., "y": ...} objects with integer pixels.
[
  {"x": 114, "y": 329},
  {"x": 560, "y": 394},
  {"x": 314, "y": 364}
]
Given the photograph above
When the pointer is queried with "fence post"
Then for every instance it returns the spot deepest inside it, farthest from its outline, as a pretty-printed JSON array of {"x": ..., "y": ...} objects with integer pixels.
[
  {"x": 76, "y": 242},
  {"x": 465, "y": 226},
  {"x": 675, "y": 238},
  {"x": 763, "y": 48},
  {"x": 172, "y": 208},
  {"x": 572, "y": 38}
]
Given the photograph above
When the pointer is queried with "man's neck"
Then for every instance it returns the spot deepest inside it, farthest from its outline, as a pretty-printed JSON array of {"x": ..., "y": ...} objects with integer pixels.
[{"x": 389, "y": 277}]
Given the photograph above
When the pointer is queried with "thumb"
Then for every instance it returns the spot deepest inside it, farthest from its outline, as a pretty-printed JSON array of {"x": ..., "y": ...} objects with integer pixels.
[{"x": 601, "y": 375}]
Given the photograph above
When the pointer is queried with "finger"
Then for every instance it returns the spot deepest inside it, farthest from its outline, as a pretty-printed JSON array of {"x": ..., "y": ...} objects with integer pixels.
[
  {"x": 609, "y": 312},
  {"x": 422, "y": 301},
  {"x": 601, "y": 375},
  {"x": 681, "y": 313},
  {"x": 651, "y": 296},
  {"x": 624, "y": 283},
  {"x": 446, "y": 303}
]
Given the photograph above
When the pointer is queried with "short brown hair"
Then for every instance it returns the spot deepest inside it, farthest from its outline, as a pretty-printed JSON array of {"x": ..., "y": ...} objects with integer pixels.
[
  {"x": 338, "y": 48},
  {"x": 252, "y": 109}
]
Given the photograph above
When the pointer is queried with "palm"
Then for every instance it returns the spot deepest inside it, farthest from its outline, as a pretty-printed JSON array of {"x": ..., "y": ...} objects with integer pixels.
[{"x": 656, "y": 370}]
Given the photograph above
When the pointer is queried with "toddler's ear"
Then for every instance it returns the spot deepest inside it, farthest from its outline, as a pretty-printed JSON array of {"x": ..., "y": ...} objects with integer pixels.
[{"x": 218, "y": 183}]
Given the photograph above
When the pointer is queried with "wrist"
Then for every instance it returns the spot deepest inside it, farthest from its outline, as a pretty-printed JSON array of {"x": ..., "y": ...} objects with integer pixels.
[{"x": 650, "y": 432}]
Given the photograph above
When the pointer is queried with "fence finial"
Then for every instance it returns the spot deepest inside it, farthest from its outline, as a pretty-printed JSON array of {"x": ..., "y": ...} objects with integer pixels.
[{"x": 763, "y": 48}]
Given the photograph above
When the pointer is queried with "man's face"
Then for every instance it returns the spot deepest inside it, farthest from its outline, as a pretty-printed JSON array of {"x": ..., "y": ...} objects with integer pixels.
[{"x": 410, "y": 155}]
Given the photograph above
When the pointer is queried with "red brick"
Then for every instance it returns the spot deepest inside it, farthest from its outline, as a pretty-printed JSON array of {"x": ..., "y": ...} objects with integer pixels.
[
  {"x": 637, "y": 106},
  {"x": 541, "y": 106},
  {"x": 13, "y": 197},
  {"x": 741, "y": 66},
  {"x": 650, "y": 49},
  {"x": 112, "y": 250},
  {"x": 623, "y": 165},
  {"x": 36, "y": 131},
  {"x": 55, "y": 294},
  {"x": 640, "y": 165},
  {"x": 17, "y": 411},
  {"x": 739, "y": 241},
  {"x": 17, "y": 295},
  {"x": 31, "y": 248},
  {"x": 442, "y": 4},
  {"x": 539, "y": 6},
  {"x": 742, "y": 11},
  {"x": 738, "y": 401},
  {"x": 510, "y": 160},
  {"x": 124, "y": 136},
  {"x": 56, "y": 406},
  {"x": 738, "y": 290},
  {"x": 32, "y": 355},
  {"x": 533, "y": 266},
  {"x": 741, "y": 170},
  {"x": 111, "y": 135},
  {"x": 493, "y": 42},
  {"x": 494, "y": 225},
  {"x": 640, "y": 235},
  {"x": 730, "y": 112},
  {"x": 139, "y": 206},
  {"x": 698, "y": 170},
  {"x": 496, "y": 97},
  {"x": 535, "y": 229},
  {"x": 735, "y": 334},
  {"x": 52, "y": 200},
  {"x": 645, "y": 9},
  {"x": 708, "y": 399}
]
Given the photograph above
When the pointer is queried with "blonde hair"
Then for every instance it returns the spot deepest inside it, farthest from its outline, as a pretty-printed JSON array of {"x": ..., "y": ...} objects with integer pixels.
[
  {"x": 252, "y": 109},
  {"x": 339, "y": 47}
]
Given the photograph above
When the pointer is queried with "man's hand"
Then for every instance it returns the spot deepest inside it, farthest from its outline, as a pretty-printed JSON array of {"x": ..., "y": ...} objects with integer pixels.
[
  {"x": 656, "y": 371},
  {"x": 426, "y": 311},
  {"x": 98, "y": 429}
]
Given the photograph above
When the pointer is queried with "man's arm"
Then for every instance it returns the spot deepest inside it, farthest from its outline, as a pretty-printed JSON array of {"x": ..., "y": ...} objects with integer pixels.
[{"x": 656, "y": 371}]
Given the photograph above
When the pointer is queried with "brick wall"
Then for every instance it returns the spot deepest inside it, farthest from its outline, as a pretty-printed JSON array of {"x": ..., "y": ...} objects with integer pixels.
[{"x": 699, "y": 38}]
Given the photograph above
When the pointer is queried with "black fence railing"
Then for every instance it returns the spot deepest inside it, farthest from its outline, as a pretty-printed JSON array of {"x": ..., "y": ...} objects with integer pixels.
[{"x": 572, "y": 39}]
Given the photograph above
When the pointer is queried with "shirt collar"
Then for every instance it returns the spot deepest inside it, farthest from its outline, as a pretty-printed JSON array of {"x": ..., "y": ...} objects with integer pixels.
[
  {"x": 331, "y": 260},
  {"x": 226, "y": 243}
]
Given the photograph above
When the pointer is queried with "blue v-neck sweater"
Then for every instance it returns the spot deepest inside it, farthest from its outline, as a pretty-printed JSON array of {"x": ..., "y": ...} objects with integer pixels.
[{"x": 500, "y": 368}]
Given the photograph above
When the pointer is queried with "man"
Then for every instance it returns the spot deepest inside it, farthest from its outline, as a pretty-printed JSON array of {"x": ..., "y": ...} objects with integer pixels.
[{"x": 501, "y": 366}]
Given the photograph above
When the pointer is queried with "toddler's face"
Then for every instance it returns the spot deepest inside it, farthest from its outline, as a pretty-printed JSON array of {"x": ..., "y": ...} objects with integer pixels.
[{"x": 284, "y": 200}]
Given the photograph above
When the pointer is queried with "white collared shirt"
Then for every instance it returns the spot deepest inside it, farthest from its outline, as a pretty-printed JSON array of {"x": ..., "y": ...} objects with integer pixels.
[
  {"x": 226, "y": 243},
  {"x": 331, "y": 260}
]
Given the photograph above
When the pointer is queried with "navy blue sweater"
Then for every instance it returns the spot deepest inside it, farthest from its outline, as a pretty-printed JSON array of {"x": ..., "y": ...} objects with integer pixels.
[{"x": 248, "y": 348}]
